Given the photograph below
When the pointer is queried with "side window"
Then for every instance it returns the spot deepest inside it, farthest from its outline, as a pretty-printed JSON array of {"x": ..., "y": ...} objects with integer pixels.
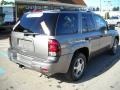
[
  {"x": 100, "y": 22},
  {"x": 67, "y": 24},
  {"x": 87, "y": 23}
]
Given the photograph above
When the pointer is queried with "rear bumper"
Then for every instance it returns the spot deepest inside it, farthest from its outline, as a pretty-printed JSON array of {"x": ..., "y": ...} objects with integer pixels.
[{"x": 34, "y": 63}]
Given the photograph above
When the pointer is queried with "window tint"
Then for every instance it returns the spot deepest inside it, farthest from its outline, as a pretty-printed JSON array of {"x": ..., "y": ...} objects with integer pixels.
[
  {"x": 100, "y": 22},
  {"x": 67, "y": 24},
  {"x": 87, "y": 23},
  {"x": 44, "y": 24}
]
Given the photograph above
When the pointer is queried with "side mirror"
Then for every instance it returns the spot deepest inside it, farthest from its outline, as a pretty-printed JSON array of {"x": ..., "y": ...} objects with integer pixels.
[
  {"x": 104, "y": 29},
  {"x": 111, "y": 27}
]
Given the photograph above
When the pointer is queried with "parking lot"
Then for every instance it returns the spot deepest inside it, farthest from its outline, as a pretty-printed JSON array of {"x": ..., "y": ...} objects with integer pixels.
[{"x": 102, "y": 73}]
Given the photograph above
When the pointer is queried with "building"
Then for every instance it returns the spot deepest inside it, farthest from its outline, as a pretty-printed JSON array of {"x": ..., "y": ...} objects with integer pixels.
[
  {"x": 12, "y": 14},
  {"x": 78, "y": 2},
  {"x": 23, "y": 6}
]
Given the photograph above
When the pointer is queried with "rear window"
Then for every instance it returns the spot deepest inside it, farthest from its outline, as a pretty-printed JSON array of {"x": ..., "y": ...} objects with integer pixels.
[
  {"x": 67, "y": 24},
  {"x": 38, "y": 23}
]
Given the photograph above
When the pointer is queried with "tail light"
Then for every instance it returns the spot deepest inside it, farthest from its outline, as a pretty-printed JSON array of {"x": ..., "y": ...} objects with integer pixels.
[{"x": 54, "y": 48}]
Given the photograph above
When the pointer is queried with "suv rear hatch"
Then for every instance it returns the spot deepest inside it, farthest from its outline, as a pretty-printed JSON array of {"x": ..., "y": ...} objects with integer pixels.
[{"x": 31, "y": 34}]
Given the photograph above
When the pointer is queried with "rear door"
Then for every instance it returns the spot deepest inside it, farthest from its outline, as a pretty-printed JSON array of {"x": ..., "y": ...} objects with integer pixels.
[
  {"x": 32, "y": 32},
  {"x": 90, "y": 33},
  {"x": 101, "y": 26}
]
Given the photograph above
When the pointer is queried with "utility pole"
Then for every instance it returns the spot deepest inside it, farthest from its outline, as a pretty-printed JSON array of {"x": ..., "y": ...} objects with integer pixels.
[{"x": 100, "y": 6}]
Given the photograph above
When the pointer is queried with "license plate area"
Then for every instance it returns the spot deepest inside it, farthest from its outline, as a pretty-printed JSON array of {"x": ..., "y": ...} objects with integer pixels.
[
  {"x": 26, "y": 45},
  {"x": 25, "y": 60}
]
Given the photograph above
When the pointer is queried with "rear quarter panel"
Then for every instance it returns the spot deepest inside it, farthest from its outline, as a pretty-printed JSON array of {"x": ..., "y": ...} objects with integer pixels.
[{"x": 71, "y": 43}]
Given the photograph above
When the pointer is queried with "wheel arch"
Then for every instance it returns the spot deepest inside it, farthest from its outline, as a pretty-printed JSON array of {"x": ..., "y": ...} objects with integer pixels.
[{"x": 83, "y": 50}]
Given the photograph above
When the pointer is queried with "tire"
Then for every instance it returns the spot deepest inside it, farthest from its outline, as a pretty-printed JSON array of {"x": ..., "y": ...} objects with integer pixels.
[
  {"x": 114, "y": 47},
  {"x": 77, "y": 67}
]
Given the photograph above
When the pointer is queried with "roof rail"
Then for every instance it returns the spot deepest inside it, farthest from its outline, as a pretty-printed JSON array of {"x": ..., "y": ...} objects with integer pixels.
[
  {"x": 73, "y": 9},
  {"x": 37, "y": 2}
]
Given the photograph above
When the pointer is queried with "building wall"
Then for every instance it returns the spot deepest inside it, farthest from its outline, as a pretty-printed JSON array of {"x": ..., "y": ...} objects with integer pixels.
[
  {"x": 79, "y": 2},
  {"x": 22, "y": 6}
]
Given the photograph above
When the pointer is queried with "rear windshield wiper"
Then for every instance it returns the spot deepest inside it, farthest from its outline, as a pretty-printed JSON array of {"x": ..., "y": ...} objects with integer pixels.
[{"x": 31, "y": 34}]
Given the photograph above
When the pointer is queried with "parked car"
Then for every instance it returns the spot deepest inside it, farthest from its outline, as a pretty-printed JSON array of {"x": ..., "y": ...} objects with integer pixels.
[
  {"x": 114, "y": 20},
  {"x": 7, "y": 19},
  {"x": 61, "y": 41}
]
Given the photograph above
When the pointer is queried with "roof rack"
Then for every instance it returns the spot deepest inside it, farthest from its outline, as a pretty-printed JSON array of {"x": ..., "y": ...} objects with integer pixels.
[
  {"x": 37, "y": 2},
  {"x": 73, "y": 9}
]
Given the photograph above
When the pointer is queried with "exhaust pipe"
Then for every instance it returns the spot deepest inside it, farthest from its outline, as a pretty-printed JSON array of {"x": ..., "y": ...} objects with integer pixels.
[{"x": 21, "y": 66}]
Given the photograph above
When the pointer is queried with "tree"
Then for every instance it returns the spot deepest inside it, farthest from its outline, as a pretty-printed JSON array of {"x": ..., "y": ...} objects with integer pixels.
[
  {"x": 97, "y": 9},
  {"x": 93, "y": 9},
  {"x": 3, "y": 2},
  {"x": 116, "y": 9}
]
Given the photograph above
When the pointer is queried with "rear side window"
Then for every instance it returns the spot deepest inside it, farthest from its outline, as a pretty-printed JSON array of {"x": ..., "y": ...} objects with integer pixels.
[
  {"x": 100, "y": 22},
  {"x": 88, "y": 24},
  {"x": 44, "y": 24},
  {"x": 67, "y": 24}
]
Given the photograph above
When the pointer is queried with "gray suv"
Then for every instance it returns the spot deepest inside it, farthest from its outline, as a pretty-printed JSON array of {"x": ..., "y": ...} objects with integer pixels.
[{"x": 60, "y": 41}]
